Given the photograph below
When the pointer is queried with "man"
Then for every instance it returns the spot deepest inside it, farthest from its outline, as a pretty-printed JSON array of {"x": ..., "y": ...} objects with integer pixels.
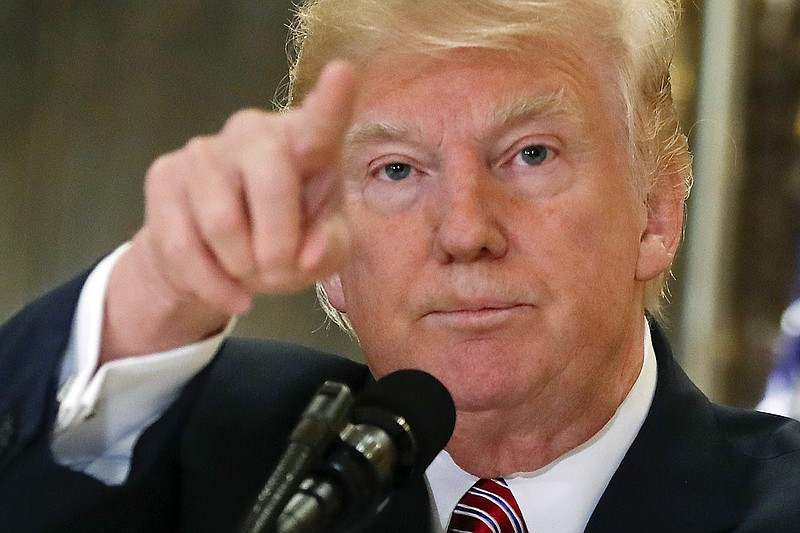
[{"x": 489, "y": 191}]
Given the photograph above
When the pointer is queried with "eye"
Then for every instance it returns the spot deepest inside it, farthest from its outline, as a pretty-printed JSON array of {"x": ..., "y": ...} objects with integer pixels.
[
  {"x": 397, "y": 171},
  {"x": 535, "y": 154}
]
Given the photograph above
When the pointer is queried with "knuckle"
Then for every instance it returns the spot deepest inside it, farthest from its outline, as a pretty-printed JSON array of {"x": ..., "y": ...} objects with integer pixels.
[
  {"x": 172, "y": 168},
  {"x": 163, "y": 169},
  {"x": 199, "y": 147},
  {"x": 246, "y": 120},
  {"x": 162, "y": 181}
]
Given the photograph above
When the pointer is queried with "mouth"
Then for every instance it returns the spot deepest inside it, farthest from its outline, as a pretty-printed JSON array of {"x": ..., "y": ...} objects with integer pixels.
[{"x": 478, "y": 317}]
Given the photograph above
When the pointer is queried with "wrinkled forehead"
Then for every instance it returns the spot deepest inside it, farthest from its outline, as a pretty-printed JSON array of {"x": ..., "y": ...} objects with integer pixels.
[
  {"x": 483, "y": 91},
  {"x": 509, "y": 110}
]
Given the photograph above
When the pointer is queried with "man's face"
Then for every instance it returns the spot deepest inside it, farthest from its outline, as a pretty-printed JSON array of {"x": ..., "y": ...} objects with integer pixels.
[{"x": 495, "y": 236}]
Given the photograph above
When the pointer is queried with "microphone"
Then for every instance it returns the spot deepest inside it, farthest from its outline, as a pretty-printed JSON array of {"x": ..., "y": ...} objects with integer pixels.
[
  {"x": 318, "y": 428},
  {"x": 399, "y": 424}
]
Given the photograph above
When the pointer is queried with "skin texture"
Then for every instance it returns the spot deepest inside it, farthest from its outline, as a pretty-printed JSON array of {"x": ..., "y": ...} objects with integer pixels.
[
  {"x": 517, "y": 281},
  {"x": 471, "y": 212}
]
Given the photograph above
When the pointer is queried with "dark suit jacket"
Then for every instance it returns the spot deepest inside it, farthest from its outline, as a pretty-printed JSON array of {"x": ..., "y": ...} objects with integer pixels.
[{"x": 694, "y": 466}]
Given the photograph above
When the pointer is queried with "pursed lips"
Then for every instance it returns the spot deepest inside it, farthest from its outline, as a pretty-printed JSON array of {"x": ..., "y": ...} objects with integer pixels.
[{"x": 477, "y": 315}]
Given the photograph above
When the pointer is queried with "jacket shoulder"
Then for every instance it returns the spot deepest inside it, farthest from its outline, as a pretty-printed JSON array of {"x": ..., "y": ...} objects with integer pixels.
[
  {"x": 250, "y": 400},
  {"x": 761, "y": 436},
  {"x": 770, "y": 446}
]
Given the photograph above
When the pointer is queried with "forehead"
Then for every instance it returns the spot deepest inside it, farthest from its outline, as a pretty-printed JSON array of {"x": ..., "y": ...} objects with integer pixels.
[{"x": 469, "y": 87}]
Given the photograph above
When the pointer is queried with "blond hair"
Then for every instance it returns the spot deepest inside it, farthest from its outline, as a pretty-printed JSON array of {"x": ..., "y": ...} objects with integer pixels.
[{"x": 637, "y": 34}]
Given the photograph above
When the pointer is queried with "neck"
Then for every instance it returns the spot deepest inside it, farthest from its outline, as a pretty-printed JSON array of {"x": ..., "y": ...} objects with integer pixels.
[{"x": 566, "y": 413}]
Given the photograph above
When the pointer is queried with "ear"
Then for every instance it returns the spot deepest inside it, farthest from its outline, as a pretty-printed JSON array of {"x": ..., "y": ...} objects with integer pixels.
[
  {"x": 664, "y": 227},
  {"x": 334, "y": 292}
]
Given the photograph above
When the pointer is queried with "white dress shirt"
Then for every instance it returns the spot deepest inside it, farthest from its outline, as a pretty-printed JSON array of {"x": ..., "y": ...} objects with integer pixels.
[{"x": 101, "y": 416}]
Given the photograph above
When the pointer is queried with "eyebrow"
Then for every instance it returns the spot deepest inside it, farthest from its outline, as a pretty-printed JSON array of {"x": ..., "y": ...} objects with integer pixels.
[
  {"x": 512, "y": 111},
  {"x": 379, "y": 131},
  {"x": 530, "y": 107}
]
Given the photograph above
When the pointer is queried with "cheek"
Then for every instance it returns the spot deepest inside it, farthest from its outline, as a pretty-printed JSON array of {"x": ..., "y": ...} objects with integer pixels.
[
  {"x": 591, "y": 248},
  {"x": 374, "y": 289},
  {"x": 386, "y": 254}
]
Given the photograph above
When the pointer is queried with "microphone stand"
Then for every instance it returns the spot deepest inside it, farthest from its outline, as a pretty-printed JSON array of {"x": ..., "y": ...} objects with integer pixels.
[{"x": 319, "y": 426}]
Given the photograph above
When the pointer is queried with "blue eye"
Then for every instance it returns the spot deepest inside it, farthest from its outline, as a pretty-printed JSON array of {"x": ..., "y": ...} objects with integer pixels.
[
  {"x": 535, "y": 154},
  {"x": 397, "y": 171}
]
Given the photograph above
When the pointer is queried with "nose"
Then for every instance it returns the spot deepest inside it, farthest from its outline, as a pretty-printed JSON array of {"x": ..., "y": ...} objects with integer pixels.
[{"x": 468, "y": 221}]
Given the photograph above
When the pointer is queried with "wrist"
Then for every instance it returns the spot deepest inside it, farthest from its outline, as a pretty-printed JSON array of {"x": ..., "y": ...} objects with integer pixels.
[{"x": 144, "y": 314}]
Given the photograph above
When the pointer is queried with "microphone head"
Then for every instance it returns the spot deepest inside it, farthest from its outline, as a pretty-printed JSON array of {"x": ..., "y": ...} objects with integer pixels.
[{"x": 422, "y": 401}]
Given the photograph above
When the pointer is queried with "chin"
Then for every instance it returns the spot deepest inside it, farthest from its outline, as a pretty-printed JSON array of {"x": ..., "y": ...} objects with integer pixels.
[
  {"x": 470, "y": 402},
  {"x": 473, "y": 392}
]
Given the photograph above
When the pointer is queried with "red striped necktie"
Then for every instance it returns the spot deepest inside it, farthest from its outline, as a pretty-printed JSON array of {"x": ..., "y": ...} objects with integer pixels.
[{"x": 488, "y": 507}]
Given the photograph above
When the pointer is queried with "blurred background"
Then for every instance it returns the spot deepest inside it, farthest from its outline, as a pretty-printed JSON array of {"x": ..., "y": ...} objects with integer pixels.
[{"x": 92, "y": 91}]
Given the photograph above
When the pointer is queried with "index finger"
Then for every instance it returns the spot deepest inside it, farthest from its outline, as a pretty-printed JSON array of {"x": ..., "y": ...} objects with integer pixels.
[{"x": 316, "y": 130}]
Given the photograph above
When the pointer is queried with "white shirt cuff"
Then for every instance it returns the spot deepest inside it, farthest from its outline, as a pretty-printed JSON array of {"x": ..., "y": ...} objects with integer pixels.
[{"x": 101, "y": 415}]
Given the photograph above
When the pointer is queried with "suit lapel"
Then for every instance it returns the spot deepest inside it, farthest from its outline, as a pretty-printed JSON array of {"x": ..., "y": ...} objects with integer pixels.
[{"x": 676, "y": 475}]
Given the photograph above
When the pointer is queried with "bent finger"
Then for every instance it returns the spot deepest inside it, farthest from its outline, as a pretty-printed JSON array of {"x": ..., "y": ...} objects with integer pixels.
[{"x": 219, "y": 209}]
